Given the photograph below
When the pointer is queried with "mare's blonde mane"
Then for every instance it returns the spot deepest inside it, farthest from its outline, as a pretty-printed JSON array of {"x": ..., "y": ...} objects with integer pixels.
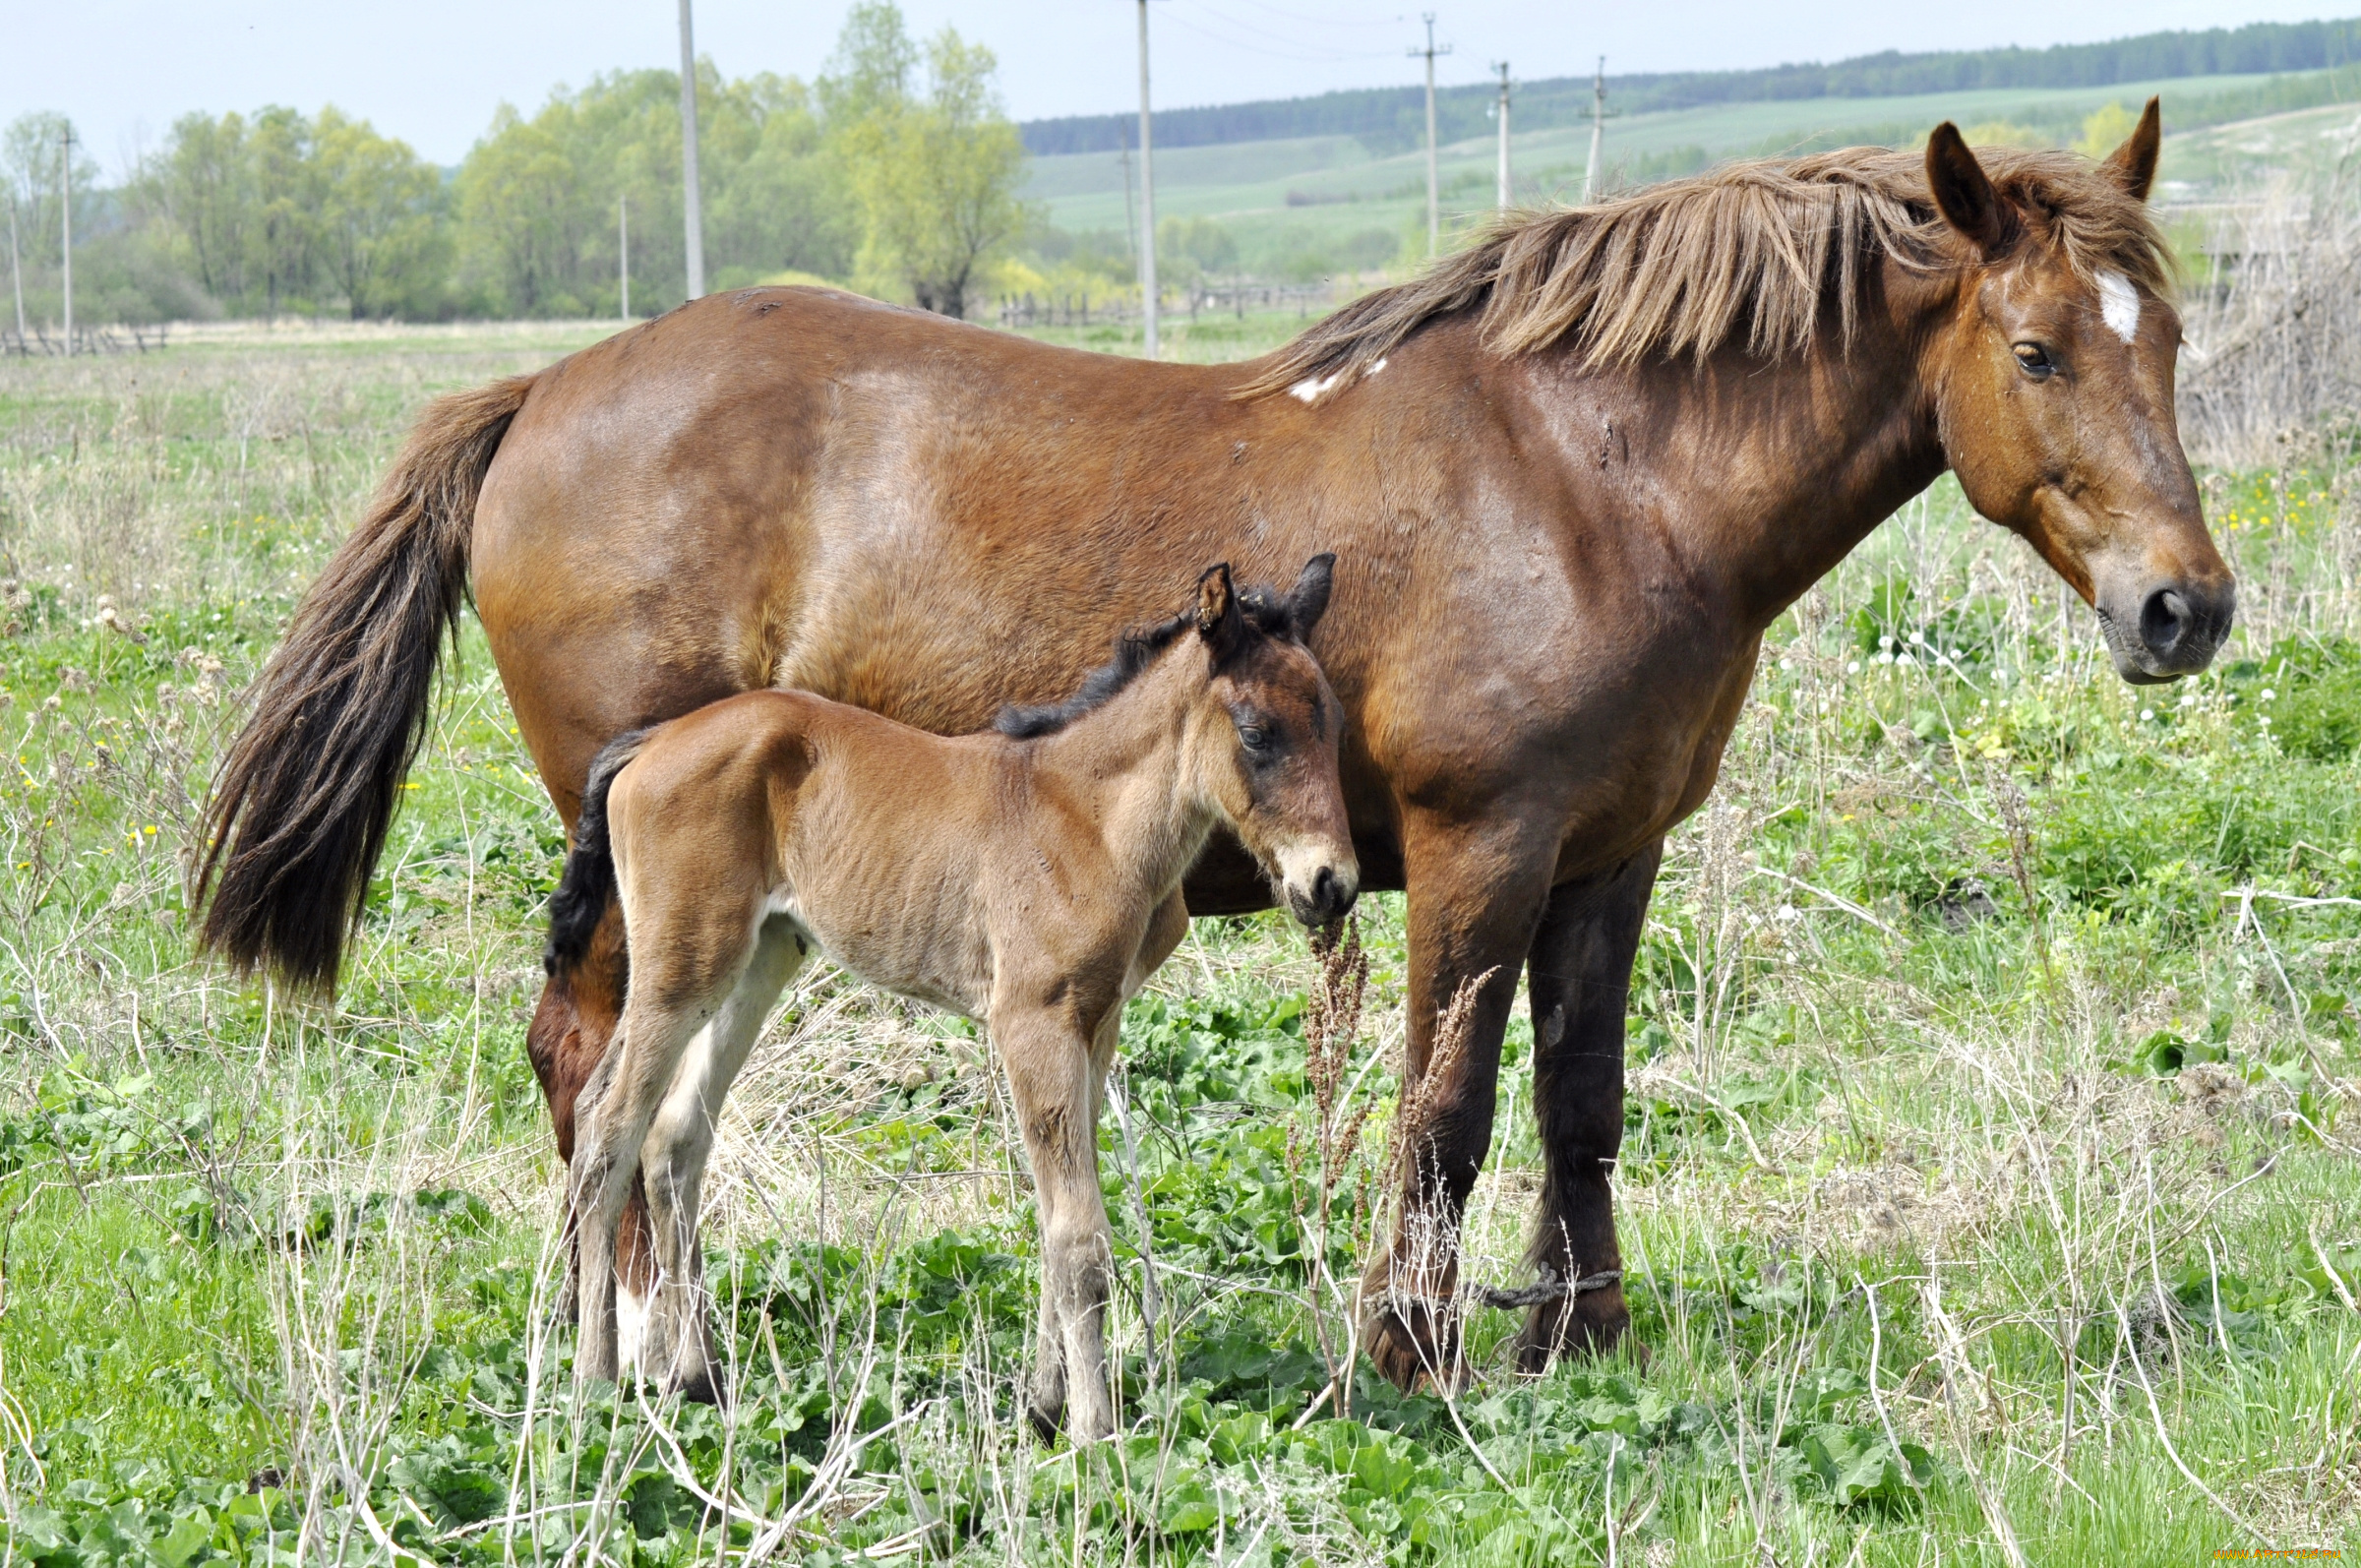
[{"x": 1752, "y": 253}]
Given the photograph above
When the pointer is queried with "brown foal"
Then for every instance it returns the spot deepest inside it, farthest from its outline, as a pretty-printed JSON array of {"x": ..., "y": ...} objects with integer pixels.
[{"x": 1028, "y": 878}]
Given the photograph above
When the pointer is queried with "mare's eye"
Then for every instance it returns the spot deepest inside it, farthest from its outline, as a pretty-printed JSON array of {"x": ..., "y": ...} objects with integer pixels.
[
  {"x": 1253, "y": 737},
  {"x": 2035, "y": 362}
]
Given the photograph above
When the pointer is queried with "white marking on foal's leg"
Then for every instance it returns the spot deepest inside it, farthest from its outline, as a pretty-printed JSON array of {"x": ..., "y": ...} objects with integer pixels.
[
  {"x": 2119, "y": 305},
  {"x": 630, "y": 1326}
]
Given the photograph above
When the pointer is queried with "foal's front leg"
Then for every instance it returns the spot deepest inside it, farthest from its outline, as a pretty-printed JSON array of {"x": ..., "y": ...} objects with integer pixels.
[{"x": 1054, "y": 1081}]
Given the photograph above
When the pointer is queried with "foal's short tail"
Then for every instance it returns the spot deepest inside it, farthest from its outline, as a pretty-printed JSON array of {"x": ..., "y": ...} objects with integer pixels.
[
  {"x": 306, "y": 793},
  {"x": 588, "y": 887}
]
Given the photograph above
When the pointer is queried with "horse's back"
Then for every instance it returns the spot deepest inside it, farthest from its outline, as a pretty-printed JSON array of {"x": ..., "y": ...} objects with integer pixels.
[{"x": 798, "y": 487}]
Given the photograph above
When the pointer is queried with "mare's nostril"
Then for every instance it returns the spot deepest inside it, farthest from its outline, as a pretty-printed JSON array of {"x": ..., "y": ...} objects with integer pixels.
[
  {"x": 2164, "y": 619},
  {"x": 1323, "y": 889}
]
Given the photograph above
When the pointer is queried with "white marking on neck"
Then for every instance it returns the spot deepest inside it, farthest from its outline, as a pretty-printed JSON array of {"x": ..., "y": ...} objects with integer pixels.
[
  {"x": 2119, "y": 305},
  {"x": 1309, "y": 389},
  {"x": 1375, "y": 369}
]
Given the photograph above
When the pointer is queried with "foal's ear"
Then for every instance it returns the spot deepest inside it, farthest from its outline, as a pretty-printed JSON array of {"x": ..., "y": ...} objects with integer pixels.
[
  {"x": 1218, "y": 619},
  {"x": 1308, "y": 600},
  {"x": 2133, "y": 165},
  {"x": 1964, "y": 193}
]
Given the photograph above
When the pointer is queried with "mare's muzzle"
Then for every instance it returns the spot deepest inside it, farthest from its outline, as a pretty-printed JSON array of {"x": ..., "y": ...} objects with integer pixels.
[{"x": 2170, "y": 629}]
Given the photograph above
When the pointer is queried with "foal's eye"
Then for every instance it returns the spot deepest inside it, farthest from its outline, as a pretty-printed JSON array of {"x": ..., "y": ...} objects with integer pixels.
[
  {"x": 2035, "y": 362},
  {"x": 1253, "y": 737}
]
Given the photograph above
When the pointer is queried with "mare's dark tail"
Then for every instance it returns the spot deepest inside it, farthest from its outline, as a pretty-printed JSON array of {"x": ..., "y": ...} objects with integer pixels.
[
  {"x": 303, "y": 798},
  {"x": 588, "y": 887}
]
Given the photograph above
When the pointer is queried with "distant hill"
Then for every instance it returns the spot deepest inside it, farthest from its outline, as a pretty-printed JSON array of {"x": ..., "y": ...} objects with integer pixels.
[{"x": 1389, "y": 118}]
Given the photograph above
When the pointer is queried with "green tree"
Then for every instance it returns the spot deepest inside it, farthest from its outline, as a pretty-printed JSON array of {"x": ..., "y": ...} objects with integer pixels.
[
  {"x": 286, "y": 234},
  {"x": 30, "y": 159},
  {"x": 379, "y": 220},
  {"x": 521, "y": 214},
  {"x": 202, "y": 186},
  {"x": 936, "y": 176},
  {"x": 2105, "y": 129}
]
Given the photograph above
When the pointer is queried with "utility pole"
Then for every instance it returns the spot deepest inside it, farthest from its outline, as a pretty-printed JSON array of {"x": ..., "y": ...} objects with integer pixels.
[
  {"x": 1590, "y": 173},
  {"x": 1434, "y": 219},
  {"x": 16, "y": 271},
  {"x": 1501, "y": 66},
  {"x": 1130, "y": 214},
  {"x": 65, "y": 203},
  {"x": 693, "y": 208},
  {"x": 1147, "y": 193},
  {"x": 623, "y": 252}
]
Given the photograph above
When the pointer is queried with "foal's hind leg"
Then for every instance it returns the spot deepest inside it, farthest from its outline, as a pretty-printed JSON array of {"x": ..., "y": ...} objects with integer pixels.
[
  {"x": 686, "y": 961},
  {"x": 672, "y": 1162}
]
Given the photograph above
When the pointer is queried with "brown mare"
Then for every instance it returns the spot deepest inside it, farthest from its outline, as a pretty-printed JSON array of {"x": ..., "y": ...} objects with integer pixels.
[
  {"x": 1573, "y": 471},
  {"x": 1027, "y": 877}
]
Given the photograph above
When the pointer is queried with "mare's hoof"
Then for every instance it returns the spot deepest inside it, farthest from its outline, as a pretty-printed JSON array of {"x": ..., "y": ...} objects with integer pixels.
[
  {"x": 1406, "y": 1355},
  {"x": 1595, "y": 1323},
  {"x": 700, "y": 1389}
]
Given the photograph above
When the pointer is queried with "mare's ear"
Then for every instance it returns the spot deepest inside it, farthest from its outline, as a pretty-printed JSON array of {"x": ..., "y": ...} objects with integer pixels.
[
  {"x": 2133, "y": 165},
  {"x": 1964, "y": 193},
  {"x": 1219, "y": 621},
  {"x": 1308, "y": 600}
]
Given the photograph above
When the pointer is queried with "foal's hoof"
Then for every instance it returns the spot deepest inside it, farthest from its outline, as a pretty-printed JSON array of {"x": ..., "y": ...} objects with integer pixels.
[
  {"x": 1595, "y": 1323},
  {"x": 1045, "y": 1420},
  {"x": 699, "y": 1388}
]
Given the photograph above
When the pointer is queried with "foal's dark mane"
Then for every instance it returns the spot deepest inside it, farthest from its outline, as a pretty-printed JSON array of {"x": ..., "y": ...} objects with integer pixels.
[
  {"x": 1752, "y": 252},
  {"x": 1265, "y": 613}
]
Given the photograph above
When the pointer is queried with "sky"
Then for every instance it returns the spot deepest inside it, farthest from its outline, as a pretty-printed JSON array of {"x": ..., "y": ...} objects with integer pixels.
[{"x": 431, "y": 72}]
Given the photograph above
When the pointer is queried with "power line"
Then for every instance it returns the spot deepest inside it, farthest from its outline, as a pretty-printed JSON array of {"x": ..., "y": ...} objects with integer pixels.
[{"x": 1332, "y": 58}]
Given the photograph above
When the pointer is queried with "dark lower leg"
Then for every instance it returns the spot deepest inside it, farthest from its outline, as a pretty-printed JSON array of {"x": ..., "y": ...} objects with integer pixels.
[
  {"x": 1580, "y": 969},
  {"x": 1472, "y": 900}
]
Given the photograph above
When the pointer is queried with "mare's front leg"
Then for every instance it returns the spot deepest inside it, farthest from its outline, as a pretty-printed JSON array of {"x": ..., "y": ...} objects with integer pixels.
[
  {"x": 1476, "y": 890},
  {"x": 678, "y": 1348},
  {"x": 567, "y": 1041},
  {"x": 1580, "y": 969},
  {"x": 1052, "y": 1082}
]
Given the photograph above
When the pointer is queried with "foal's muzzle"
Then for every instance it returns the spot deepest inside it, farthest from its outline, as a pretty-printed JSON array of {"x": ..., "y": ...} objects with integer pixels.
[{"x": 1325, "y": 894}]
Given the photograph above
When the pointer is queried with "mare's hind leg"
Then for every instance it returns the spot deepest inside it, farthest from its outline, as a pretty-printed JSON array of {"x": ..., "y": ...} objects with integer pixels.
[
  {"x": 1052, "y": 1081},
  {"x": 672, "y": 1162}
]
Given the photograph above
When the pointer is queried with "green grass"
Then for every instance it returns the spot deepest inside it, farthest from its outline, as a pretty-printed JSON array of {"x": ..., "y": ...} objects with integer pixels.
[{"x": 1982, "y": 1182}]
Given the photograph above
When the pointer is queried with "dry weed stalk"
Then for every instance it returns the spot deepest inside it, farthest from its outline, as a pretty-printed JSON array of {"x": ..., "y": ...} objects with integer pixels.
[
  {"x": 1331, "y": 1029},
  {"x": 1425, "y": 1236}
]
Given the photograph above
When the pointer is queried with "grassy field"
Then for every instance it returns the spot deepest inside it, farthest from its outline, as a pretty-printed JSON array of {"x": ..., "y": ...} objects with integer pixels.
[
  {"x": 1332, "y": 196},
  {"x": 1989, "y": 1192}
]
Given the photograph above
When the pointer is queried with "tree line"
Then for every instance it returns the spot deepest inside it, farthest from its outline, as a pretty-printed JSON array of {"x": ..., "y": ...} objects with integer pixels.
[
  {"x": 1390, "y": 119},
  {"x": 896, "y": 168}
]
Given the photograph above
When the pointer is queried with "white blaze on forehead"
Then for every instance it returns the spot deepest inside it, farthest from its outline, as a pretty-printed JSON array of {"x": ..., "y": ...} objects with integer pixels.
[{"x": 2119, "y": 305}]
